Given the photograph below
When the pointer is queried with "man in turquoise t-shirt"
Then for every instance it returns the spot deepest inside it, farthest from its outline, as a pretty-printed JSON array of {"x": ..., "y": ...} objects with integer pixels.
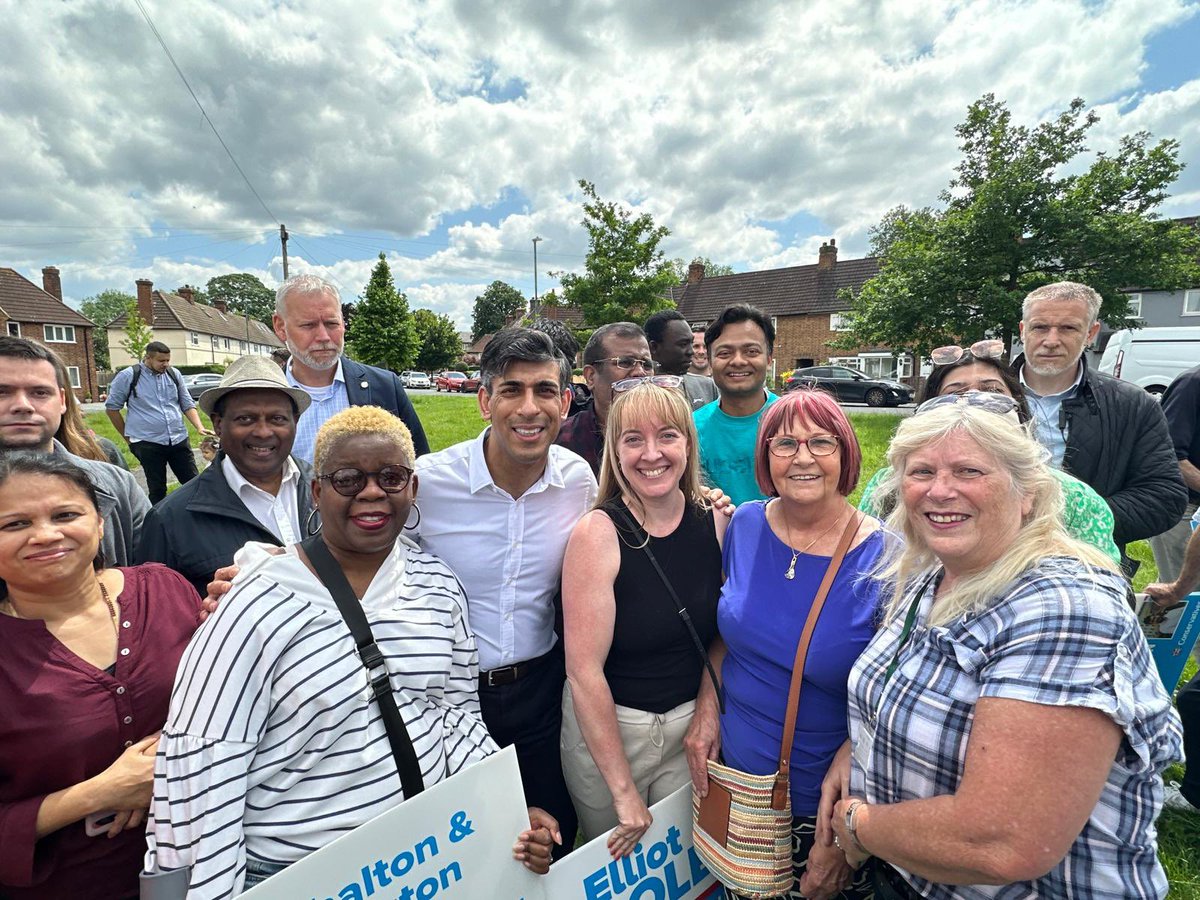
[{"x": 740, "y": 344}]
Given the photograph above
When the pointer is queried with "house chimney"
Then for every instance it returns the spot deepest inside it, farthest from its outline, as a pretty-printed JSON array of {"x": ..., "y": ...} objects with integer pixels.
[
  {"x": 187, "y": 294},
  {"x": 221, "y": 305},
  {"x": 145, "y": 300},
  {"x": 695, "y": 273},
  {"x": 51, "y": 283},
  {"x": 827, "y": 258}
]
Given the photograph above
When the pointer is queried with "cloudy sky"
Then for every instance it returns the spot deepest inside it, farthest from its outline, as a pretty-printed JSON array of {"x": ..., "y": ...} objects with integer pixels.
[{"x": 448, "y": 133}]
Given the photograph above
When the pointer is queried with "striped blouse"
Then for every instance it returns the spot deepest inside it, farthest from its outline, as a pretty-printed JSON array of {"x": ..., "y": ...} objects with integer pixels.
[{"x": 274, "y": 747}]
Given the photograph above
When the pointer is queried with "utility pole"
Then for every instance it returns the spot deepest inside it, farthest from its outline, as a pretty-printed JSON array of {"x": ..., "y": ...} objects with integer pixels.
[
  {"x": 535, "y": 290},
  {"x": 283, "y": 239}
]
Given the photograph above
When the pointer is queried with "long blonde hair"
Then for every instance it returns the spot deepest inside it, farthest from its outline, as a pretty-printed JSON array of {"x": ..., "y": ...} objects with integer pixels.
[
  {"x": 1041, "y": 534},
  {"x": 648, "y": 402},
  {"x": 73, "y": 433}
]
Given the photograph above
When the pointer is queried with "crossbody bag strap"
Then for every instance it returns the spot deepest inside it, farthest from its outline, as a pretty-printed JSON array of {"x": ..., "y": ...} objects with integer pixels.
[
  {"x": 679, "y": 607},
  {"x": 780, "y": 796},
  {"x": 369, "y": 654}
]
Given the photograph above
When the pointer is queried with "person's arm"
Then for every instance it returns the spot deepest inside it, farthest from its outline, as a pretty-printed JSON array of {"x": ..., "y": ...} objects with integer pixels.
[
  {"x": 1165, "y": 594},
  {"x": 465, "y": 737},
  {"x": 703, "y": 739},
  {"x": 721, "y": 518},
  {"x": 1020, "y": 805},
  {"x": 590, "y": 568},
  {"x": 1181, "y": 407},
  {"x": 1153, "y": 496},
  {"x": 194, "y": 417},
  {"x": 118, "y": 395},
  {"x": 1191, "y": 475}
]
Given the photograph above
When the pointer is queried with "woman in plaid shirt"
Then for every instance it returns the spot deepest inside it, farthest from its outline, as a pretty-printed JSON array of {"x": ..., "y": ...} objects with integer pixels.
[{"x": 1009, "y": 729}]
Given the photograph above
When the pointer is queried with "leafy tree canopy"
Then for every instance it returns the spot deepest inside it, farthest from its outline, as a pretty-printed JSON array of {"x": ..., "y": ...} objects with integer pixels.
[
  {"x": 625, "y": 275},
  {"x": 1014, "y": 218},
  {"x": 137, "y": 333},
  {"x": 243, "y": 294},
  {"x": 102, "y": 308},
  {"x": 382, "y": 329},
  {"x": 439, "y": 343},
  {"x": 494, "y": 307}
]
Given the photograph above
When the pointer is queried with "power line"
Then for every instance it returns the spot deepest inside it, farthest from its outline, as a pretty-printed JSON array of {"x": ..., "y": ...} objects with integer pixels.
[{"x": 183, "y": 78}]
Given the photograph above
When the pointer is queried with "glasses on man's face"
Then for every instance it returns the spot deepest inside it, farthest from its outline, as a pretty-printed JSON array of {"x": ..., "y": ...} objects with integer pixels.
[
  {"x": 663, "y": 381},
  {"x": 786, "y": 447},
  {"x": 989, "y": 349},
  {"x": 350, "y": 482},
  {"x": 1000, "y": 404},
  {"x": 629, "y": 363}
]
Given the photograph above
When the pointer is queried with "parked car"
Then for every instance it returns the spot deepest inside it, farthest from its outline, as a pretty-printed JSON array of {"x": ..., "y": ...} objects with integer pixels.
[
  {"x": 415, "y": 380},
  {"x": 198, "y": 384},
  {"x": 1151, "y": 358},
  {"x": 471, "y": 383},
  {"x": 851, "y": 385},
  {"x": 448, "y": 381}
]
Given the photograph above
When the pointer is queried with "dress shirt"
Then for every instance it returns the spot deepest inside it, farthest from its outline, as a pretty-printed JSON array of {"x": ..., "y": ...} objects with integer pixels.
[
  {"x": 274, "y": 745},
  {"x": 326, "y": 402},
  {"x": 508, "y": 552},
  {"x": 155, "y": 410},
  {"x": 277, "y": 512},
  {"x": 1048, "y": 426}
]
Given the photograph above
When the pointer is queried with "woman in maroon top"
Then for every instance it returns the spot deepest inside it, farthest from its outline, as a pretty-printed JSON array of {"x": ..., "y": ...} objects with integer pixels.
[{"x": 88, "y": 661}]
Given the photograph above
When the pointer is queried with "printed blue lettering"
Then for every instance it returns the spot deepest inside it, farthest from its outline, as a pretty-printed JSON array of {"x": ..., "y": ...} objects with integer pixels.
[
  {"x": 614, "y": 876},
  {"x": 595, "y": 886},
  {"x": 350, "y": 892},
  {"x": 675, "y": 890},
  {"x": 696, "y": 864},
  {"x": 453, "y": 867},
  {"x": 427, "y": 889},
  {"x": 402, "y": 864},
  {"x": 651, "y": 887},
  {"x": 631, "y": 877},
  {"x": 673, "y": 840},
  {"x": 381, "y": 874},
  {"x": 657, "y": 855},
  {"x": 432, "y": 842}
]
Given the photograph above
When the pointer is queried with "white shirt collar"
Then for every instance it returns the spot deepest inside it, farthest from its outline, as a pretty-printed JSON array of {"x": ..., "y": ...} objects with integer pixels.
[
  {"x": 1064, "y": 393},
  {"x": 338, "y": 377},
  {"x": 479, "y": 476},
  {"x": 291, "y": 475}
]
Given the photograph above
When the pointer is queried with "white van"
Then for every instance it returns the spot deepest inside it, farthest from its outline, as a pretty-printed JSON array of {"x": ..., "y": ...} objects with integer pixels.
[{"x": 1151, "y": 358}]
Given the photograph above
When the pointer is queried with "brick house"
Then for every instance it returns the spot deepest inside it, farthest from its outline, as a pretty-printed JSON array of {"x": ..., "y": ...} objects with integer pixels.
[
  {"x": 197, "y": 334},
  {"x": 803, "y": 303},
  {"x": 39, "y": 313}
]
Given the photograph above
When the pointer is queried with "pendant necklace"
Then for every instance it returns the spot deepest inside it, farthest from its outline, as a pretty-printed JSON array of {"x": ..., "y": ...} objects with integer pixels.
[
  {"x": 112, "y": 610},
  {"x": 791, "y": 569}
]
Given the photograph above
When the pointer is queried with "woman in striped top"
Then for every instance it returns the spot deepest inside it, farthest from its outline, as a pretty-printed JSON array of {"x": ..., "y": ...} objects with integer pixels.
[{"x": 274, "y": 745}]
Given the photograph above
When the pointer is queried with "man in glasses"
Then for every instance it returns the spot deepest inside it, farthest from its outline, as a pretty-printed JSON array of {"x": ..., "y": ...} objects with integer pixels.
[
  {"x": 255, "y": 490},
  {"x": 670, "y": 338},
  {"x": 1106, "y": 432},
  {"x": 613, "y": 353}
]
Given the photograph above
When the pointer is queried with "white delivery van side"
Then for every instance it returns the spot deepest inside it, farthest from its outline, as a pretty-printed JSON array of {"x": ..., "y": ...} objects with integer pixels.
[{"x": 1151, "y": 357}]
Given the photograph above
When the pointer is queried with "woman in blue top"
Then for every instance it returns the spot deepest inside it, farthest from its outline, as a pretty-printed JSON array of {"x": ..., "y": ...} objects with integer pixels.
[{"x": 776, "y": 551}]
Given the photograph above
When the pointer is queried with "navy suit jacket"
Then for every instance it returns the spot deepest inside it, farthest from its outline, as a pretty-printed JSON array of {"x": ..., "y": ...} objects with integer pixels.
[{"x": 369, "y": 386}]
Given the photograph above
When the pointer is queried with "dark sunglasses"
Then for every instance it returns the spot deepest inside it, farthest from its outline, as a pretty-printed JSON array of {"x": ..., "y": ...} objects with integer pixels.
[{"x": 350, "y": 482}]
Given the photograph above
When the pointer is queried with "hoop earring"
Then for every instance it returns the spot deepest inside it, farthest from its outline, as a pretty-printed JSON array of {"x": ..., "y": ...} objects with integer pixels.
[
  {"x": 415, "y": 524},
  {"x": 308, "y": 523}
]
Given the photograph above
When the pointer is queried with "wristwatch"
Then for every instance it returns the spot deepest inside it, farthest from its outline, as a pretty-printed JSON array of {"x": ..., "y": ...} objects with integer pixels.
[{"x": 851, "y": 828}]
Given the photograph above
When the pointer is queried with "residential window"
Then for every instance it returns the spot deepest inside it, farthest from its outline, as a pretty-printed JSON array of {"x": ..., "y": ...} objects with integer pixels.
[
  {"x": 14, "y": 329},
  {"x": 1134, "y": 310},
  {"x": 73, "y": 375},
  {"x": 850, "y": 361},
  {"x": 241, "y": 346},
  {"x": 839, "y": 322},
  {"x": 226, "y": 343},
  {"x": 216, "y": 341},
  {"x": 195, "y": 339},
  {"x": 1191, "y": 303},
  {"x": 59, "y": 334}
]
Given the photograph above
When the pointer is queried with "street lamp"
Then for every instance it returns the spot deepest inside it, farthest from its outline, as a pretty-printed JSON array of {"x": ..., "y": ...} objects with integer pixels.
[{"x": 535, "y": 290}]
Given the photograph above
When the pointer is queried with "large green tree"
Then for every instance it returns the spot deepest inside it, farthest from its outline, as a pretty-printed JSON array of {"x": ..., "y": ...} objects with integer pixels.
[
  {"x": 625, "y": 276},
  {"x": 494, "y": 307},
  {"x": 440, "y": 346},
  {"x": 244, "y": 294},
  {"x": 1023, "y": 211},
  {"x": 102, "y": 308},
  {"x": 382, "y": 329}
]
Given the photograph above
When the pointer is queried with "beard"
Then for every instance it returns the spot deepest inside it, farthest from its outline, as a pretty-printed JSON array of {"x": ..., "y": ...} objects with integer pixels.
[
  {"x": 1049, "y": 371},
  {"x": 315, "y": 363}
]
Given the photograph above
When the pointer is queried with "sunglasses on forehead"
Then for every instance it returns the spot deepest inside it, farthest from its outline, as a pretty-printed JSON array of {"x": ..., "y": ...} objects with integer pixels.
[
  {"x": 350, "y": 482},
  {"x": 662, "y": 381},
  {"x": 1001, "y": 404},
  {"x": 989, "y": 349}
]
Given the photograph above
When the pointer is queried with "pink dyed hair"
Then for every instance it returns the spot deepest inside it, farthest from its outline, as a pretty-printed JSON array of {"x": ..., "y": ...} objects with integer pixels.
[{"x": 820, "y": 410}]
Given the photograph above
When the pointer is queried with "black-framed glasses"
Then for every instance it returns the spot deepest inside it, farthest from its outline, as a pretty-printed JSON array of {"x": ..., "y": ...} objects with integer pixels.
[
  {"x": 1000, "y": 404},
  {"x": 988, "y": 349},
  {"x": 663, "y": 381},
  {"x": 350, "y": 482},
  {"x": 629, "y": 363},
  {"x": 785, "y": 447}
]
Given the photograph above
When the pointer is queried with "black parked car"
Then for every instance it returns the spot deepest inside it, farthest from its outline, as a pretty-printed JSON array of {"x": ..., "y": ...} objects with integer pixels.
[{"x": 851, "y": 386}]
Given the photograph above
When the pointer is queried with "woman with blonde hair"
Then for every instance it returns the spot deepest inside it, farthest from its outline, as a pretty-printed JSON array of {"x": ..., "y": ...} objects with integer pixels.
[
  {"x": 1009, "y": 728},
  {"x": 649, "y": 549}
]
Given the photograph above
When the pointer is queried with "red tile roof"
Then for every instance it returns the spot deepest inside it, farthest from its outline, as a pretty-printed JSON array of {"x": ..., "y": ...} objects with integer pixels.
[
  {"x": 24, "y": 301},
  {"x": 172, "y": 311}
]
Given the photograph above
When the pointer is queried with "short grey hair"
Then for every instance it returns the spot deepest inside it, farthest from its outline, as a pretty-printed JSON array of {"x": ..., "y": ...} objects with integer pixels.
[
  {"x": 1064, "y": 290},
  {"x": 303, "y": 284}
]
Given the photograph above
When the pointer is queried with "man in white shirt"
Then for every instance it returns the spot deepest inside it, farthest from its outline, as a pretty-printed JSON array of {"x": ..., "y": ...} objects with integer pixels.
[
  {"x": 254, "y": 490},
  {"x": 499, "y": 509}
]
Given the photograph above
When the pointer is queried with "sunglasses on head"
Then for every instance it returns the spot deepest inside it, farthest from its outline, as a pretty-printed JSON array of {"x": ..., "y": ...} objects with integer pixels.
[
  {"x": 989, "y": 349},
  {"x": 662, "y": 381},
  {"x": 1000, "y": 404},
  {"x": 350, "y": 482}
]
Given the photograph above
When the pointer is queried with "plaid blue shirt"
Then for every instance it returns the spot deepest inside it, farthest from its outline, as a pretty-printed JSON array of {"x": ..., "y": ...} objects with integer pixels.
[
  {"x": 325, "y": 402},
  {"x": 1059, "y": 636}
]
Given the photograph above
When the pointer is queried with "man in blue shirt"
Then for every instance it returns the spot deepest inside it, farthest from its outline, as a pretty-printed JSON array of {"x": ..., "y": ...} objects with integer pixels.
[{"x": 157, "y": 402}]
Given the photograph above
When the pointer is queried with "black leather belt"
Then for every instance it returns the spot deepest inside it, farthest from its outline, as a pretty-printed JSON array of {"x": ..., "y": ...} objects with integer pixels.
[{"x": 509, "y": 674}]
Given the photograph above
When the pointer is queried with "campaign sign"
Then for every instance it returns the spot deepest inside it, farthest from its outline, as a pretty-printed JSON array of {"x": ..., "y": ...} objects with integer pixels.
[
  {"x": 451, "y": 841},
  {"x": 664, "y": 866},
  {"x": 1171, "y": 632}
]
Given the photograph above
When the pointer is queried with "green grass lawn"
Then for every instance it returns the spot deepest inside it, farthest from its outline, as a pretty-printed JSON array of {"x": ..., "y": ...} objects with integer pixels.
[{"x": 450, "y": 418}]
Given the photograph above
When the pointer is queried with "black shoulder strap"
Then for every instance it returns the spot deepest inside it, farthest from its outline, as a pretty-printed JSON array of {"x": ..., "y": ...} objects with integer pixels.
[
  {"x": 335, "y": 582},
  {"x": 629, "y": 523},
  {"x": 137, "y": 373}
]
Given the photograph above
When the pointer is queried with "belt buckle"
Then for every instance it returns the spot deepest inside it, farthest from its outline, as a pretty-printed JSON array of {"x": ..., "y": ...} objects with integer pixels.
[{"x": 502, "y": 676}]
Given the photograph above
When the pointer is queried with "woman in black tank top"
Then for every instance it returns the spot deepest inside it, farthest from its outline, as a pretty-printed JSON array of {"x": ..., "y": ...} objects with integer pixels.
[{"x": 633, "y": 665}]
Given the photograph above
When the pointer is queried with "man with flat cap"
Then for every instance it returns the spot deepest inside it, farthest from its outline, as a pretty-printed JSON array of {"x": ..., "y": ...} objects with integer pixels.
[{"x": 255, "y": 490}]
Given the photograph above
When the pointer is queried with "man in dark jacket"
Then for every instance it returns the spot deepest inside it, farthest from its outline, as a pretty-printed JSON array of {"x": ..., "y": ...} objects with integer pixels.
[
  {"x": 254, "y": 490},
  {"x": 1106, "y": 432}
]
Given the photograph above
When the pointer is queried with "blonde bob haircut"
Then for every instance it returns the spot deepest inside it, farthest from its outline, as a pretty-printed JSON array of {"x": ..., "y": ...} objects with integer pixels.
[
  {"x": 649, "y": 403},
  {"x": 360, "y": 420},
  {"x": 1041, "y": 535}
]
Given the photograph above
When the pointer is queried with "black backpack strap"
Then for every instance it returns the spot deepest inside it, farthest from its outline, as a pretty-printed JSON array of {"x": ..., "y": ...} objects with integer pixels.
[
  {"x": 137, "y": 373},
  {"x": 369, "y": 654}
]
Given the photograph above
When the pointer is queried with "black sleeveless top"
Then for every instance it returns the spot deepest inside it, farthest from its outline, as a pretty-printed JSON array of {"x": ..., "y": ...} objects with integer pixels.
[{"x": 653, "y": 664}]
